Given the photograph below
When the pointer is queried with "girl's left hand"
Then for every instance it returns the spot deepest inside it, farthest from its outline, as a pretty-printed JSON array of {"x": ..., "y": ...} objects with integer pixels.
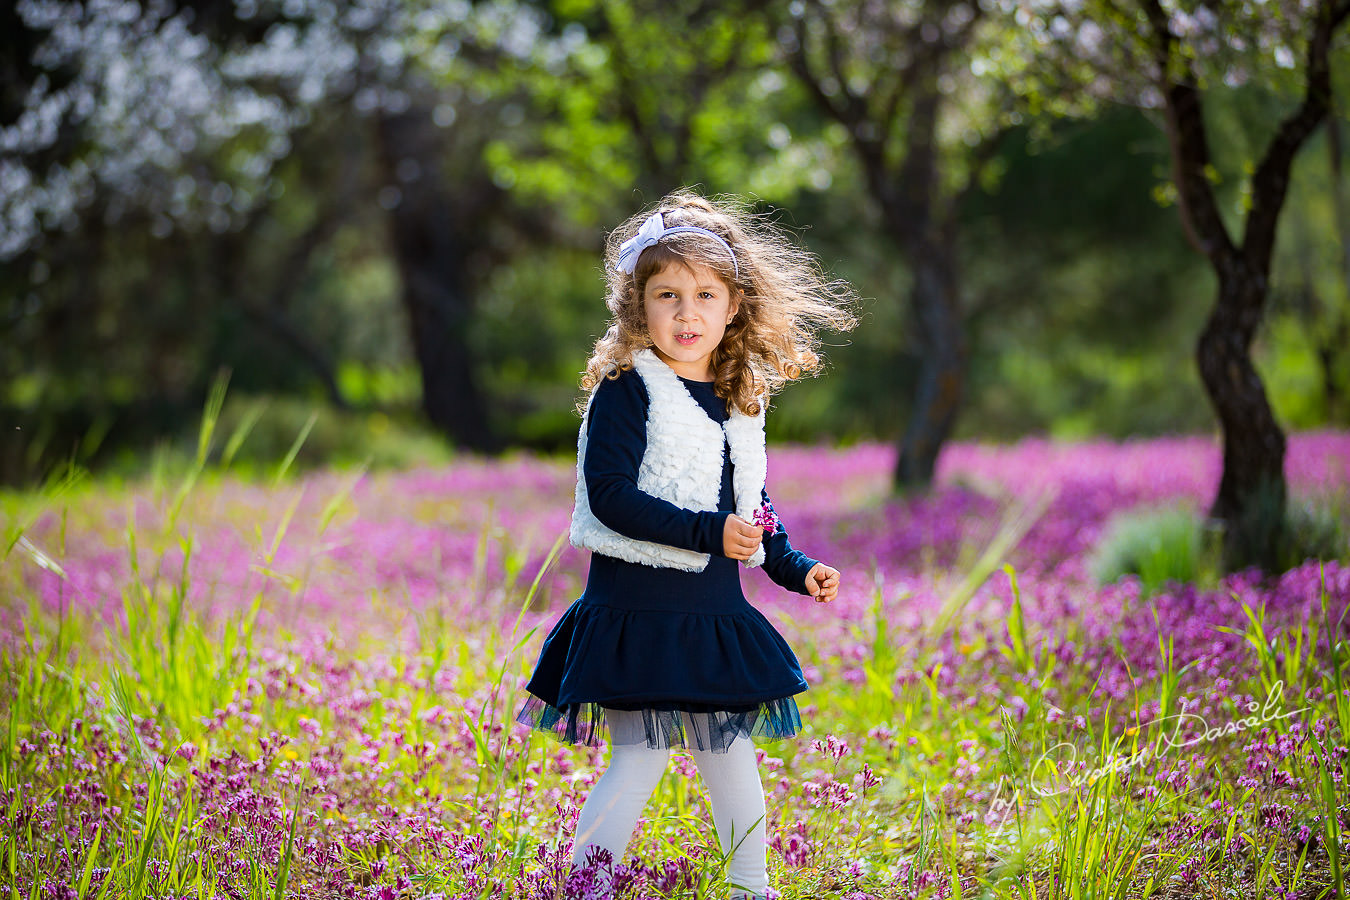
[{"x": 823, "y": 582}]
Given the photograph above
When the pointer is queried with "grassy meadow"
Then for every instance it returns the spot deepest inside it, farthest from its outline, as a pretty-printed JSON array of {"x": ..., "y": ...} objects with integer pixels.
[{"x": 302, "y": 685}]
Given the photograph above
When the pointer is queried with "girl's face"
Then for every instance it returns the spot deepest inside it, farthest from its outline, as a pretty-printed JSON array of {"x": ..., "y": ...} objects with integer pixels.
[{"x": 688, "y": 309}]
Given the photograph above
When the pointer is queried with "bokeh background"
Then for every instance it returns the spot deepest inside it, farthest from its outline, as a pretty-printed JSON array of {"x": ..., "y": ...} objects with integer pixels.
[{"x": 392, "y": 212}]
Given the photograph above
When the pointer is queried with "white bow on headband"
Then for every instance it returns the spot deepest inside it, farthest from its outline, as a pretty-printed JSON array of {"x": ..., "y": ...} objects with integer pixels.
[{"x": 652, "y": 231}]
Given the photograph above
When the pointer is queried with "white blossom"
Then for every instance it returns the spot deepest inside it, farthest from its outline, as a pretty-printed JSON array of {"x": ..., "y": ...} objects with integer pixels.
[{"x": 157, "y": 102}]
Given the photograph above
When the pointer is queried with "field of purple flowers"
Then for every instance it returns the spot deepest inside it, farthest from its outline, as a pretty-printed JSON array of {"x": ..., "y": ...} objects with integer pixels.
[{"x": 303, "y": 687}]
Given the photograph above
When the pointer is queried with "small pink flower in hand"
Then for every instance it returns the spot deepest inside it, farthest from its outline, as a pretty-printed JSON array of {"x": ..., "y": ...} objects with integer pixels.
[{"x": 766, "y": 518}]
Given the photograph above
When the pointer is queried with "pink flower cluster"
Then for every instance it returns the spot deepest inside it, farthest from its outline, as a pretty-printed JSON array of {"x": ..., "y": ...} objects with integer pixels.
[{"x": 767, "y": 519}]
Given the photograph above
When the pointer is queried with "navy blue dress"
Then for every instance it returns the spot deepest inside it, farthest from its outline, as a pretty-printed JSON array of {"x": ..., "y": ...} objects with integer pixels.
[{"x": 685, "y": 648}]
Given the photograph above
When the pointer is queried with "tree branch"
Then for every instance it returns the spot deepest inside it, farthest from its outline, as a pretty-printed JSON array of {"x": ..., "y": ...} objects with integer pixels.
[
  {"x": 1189, "y": 148},
  {"x": 855, "y": 103},
  {"x": 904, "y": 82},
  {"x": 800, "y": 63},
  {"x": 1270, "y": 183},
  {"x": 271, "y": 313}
]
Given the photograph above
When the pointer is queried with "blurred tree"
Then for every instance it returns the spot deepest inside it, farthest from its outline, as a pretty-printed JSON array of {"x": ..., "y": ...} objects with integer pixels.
[
  {"x": 453, "y": 218},
  {"x": 1333, "y": 325},
  {"x": 1168, "y": 56},
  {"x": 113, "y": 328},
  {"x": 1329, "y": 317},
  {"x": 898, "y": 78},
  {"x": 1305, "y": 345},
  {"x": 653, "y": 96},
  {"x": 670, "y": 108},
  {"x": 1085, "y": 287},
  {"x": 179, "y": 115},
  {"x": 278, "y": 187},
  {"x": 650, "y": 96}
]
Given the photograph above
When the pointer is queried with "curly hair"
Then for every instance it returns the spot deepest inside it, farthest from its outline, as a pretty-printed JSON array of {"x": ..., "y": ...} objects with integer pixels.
[{"x": 785, "y": 298}]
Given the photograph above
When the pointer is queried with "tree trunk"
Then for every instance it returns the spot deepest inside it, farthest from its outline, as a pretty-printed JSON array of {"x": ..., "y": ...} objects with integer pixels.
[
  {"x": 430, "y": 248},
  {"x": 1251, "y": 496},
  {"x": 1250, "y": 503},
  {"x": 917, "y": 211},
  {"x": 942, "y": 369},
  {"x": 924, "y": 225},
  {"x": 1338, "y": 314}
]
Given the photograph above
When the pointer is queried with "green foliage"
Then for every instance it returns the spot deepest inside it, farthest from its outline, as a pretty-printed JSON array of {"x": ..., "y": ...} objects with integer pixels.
[
  {"x": 1277, "y": 534},
  {"x": 1082, "y": 297},
  {"x": 1086, "y": 298},
  {"x": 1174, "y": 544},
  {"x": 1296, "y": 379},
  {"x": 1158, "y": 545},
  {"x": 117, "y": 332},
  {"x": 1315, "y": 529},
  {"x": 1302, "y": 349},
  {"x": 537, "y": 321},
  {"x": 269, "y": 428},
  {"x": 631, "y": 112}
]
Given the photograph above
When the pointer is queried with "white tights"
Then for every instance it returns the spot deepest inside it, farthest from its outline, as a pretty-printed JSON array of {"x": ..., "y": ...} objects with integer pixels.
[{"x": 611, "y": 811}]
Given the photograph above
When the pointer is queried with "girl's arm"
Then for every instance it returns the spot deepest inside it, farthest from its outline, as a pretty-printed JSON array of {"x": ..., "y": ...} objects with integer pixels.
[
  {"x": 616, "y": 438},
  {"x": 788, "y": 567}
]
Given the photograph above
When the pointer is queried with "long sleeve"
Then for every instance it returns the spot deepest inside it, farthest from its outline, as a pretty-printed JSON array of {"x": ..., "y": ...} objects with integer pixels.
[
  {"x": 782, "y": 563},
  {"x": 616, "y": 439}
]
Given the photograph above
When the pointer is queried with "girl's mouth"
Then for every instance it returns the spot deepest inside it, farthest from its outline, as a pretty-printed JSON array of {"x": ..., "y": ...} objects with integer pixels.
[{"x": 686, "y": 338}]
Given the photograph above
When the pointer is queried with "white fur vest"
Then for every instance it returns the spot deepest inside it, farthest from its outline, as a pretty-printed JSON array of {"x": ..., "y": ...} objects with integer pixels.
[{"x": 682, "y": 464}]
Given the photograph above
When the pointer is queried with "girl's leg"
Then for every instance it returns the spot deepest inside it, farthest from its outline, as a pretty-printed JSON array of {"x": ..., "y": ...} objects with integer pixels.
[
  {"x": 610, "y": 813},
  {"x": 738, "y": 811}
]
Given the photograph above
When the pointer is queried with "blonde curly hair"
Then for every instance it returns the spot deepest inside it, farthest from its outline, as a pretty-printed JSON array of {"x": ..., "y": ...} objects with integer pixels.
[{"x": 785, "y": 298}]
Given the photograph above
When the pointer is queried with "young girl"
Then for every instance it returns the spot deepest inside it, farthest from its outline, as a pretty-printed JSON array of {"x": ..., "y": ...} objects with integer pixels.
[{"x": 712, "y": 310}]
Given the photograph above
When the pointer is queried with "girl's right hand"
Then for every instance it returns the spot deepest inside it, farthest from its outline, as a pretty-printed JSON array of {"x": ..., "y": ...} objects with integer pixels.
[{"x": 740, "y": 539}]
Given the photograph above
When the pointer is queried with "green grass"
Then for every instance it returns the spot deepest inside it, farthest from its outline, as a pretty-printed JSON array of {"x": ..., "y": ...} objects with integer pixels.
[{"x": 1160, "y": 546}]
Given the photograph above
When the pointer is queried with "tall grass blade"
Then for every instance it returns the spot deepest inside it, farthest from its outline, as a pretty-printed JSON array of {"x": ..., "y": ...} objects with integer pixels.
[
  {"x": 1331, "y": 825},
  {"x": 330, "y": 509},
  {"x": 41, "y": 559},
  {"x": 284, "y": 870},
  {"x": 292, "y": 453},
  {"x": 153, "y": 807},
  {"x": 241, "y": 433},
  {"x": 1019, "y": 652},
  {"x": 83, "y": 887},
  {"x": 215, "y": 402},
  {"x": 32, "y": 507},
  {"x": 1021, "y": 516}
]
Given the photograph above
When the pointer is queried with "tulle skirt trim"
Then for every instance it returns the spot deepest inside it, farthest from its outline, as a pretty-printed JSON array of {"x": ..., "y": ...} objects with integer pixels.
[{"x": 691, "y": 726}]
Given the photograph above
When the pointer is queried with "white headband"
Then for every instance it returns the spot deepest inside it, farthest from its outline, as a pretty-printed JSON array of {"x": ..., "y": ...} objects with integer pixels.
[{"x": 652, "y": 231}]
